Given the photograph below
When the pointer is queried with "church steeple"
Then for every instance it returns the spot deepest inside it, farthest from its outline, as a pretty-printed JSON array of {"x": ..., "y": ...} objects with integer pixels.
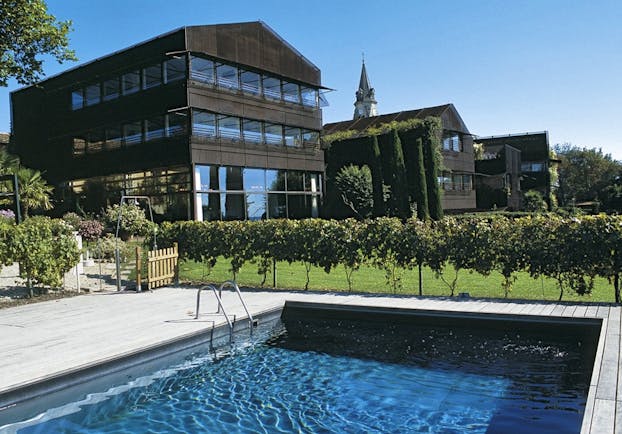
[{"x": 365, "y": 104}]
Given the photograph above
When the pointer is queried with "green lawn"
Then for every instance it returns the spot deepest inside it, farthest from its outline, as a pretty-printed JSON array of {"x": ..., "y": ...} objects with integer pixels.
[{"x": 369, "y": 279}]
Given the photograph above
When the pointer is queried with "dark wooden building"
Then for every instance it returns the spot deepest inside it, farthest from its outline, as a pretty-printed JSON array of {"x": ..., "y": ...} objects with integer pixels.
[{"x": 211, "y": 122}]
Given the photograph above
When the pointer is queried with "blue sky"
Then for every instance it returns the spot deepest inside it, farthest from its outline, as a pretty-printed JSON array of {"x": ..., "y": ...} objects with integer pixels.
[{"x": 507, "y": 66}]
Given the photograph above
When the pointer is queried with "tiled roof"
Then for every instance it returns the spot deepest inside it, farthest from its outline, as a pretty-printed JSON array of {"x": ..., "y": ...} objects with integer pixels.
[{"x": 364, "y": 123}]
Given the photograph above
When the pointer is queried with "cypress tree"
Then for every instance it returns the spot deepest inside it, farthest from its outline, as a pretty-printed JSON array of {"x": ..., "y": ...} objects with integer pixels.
[
  {"x": 432, "y": 159},
  {"x": 377, "y": 179},
  {"x": 420, "y": 189},
  {"x": 399, "y": 192}
]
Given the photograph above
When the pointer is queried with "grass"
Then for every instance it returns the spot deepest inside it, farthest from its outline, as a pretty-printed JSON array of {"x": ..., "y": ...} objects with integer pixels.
[{"x": 372, "y": 280}]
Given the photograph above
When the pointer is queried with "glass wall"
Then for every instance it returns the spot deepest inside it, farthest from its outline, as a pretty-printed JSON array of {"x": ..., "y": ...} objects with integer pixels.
[
  {"x": 129, "y": 82},
  {"x": 114, "y": 136},
  {"x": 236, "y": 193},
  {"x": 167, "y": 188}
]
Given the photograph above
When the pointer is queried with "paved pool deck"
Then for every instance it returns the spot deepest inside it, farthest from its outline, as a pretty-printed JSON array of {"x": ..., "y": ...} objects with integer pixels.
[{"x": 42, "y": 340}]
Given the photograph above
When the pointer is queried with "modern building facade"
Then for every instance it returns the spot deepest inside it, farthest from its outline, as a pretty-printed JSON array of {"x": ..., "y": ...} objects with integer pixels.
[
  {"x": 498, "y": 180},
  {"x": 212, "y": 122},
  {"x": 535, "y": 159}
]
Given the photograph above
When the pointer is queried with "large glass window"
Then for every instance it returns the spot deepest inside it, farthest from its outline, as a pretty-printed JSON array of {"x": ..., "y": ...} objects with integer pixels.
[
  {"x": 254, "y": 180},
  {"x": 227, "y": 76},
  {"x": 176, "y": 123},
  {"x": 251, "y": 82},
  {"x": 206, "y": 178},
  {"x": 291, "y": 92},
  {"x": 232, "y": 206},
  {"x": 256, "y": 206},
  {"x": 277, "y": 205},
  {"x": 201, "y": 69},
  {"x": 130, "y": 82},
  {"x": 312, "y": 182},
  {"x": 92, "y": 94},
  {"x": 230, "y": 178},
  {"x": 251, "y": 131},
  {"x": 95, "y": 141},
  {"x": 292, "y": 136},
  {"x": 229, "y": 127},
  {"x": 273, "y": 134},
  {"x": 209, "y": 206},
  {"x": 272, "y": 87},
  {"x": 152, "y": 76},
  {"x": 175, "y": 69},
  {"x": 298, "y": 206},
  {"x": 275, "y": 180},
  {"x": 77, "y": 99},
  {"x": 310, "y": 137},
  {"x": 132, "y": 133},
  {"x": 295, "y": 180},
  {"x": 203, "y": 123},
  {"x": 111, "y": 88},
  {"x": 154, "y": 128},
  {"x": 113, "y": 137},
  {"x": 309, "y": 96}
]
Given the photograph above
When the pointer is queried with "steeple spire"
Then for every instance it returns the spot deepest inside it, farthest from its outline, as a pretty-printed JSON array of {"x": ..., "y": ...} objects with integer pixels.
[{"x": 365, "y": 104}]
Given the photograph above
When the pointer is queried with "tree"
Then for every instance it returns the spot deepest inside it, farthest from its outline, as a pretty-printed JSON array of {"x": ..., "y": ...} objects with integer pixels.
[
  {"x": 34, "y": 191},
  {"x": 27, "y": 31},
  {"x": 355, "y": 185},
  {"x": 533, "y": 201},
  {"x": 399, "y": 195},
  {"x": 583, "y": 173},
  {"x": 377, "y": 179},
  {"x": 433, "y": 162}
]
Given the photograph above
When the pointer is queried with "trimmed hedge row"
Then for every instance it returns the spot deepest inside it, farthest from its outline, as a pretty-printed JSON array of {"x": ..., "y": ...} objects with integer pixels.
[
  {"x": 45, "y": 249},
  {"x": 573, "y": 251}
]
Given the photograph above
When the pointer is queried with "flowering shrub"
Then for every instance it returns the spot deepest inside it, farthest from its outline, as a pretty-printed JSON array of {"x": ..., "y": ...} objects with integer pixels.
[
  {"x": 7, "y": 214},
  {"x": 90, "y": 230},
  {"x": 73, "y": 220}
]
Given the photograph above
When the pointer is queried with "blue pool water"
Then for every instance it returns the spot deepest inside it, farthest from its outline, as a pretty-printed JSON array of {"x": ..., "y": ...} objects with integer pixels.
[{"x": 327, "y": 377}]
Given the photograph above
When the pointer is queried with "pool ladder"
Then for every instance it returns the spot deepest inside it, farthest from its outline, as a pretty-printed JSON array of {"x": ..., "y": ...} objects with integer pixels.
[{"x": 218, "y": 294}]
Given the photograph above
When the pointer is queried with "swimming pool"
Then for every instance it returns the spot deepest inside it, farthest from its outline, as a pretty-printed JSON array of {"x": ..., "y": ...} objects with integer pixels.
[{"x": 323, "y": 373}]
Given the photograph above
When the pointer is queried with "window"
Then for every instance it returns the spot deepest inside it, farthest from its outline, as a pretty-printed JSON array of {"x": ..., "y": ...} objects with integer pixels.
[
  {"x": 79, "y": 146},
  {"x": 152, "y": 76},
  {"x": 202, "y": 69},
  {"x": 298, "y": 206},
  {"x": 256, "y": 206},
  {"x": 113, "y": 137},
  {"x": 251, "y": 130},
  {"x": 229, "y": 127},
  {"x": 227, "y": 76},
  {"x": 309, "y": 96},
  {"x": 272, "y": 88},
  {"x": 95, "y": 139},
  {"x": 232, "y": 206},
  {"x": 203, "y": 123},
  {"x": 312, "y": 182},
  {"x": 154, "y": 128},
  {"x": 254, "y": 180},
  {"x": 130, "y": 82},
  {"x": 176, "y": 123},
  {"x": 275, "y": 180},
  {"x": 132, "y": 133},
  {"x": 277, "y": 205},
  {"x": 310, "y": 137},
  {"x": 111, "y": 88},
  {"x": 230, "y": 178},
  {"x": 291, "y": 92},
  {"x": 532, "y": 167},
  {"x": 251, "y": 82},
  {"x": 292, "y": 136},
  {"x": 273, "y": 134},
  {"x": 208, "y": 205},
  {"x": 295, "y": 180},
  {"x": 77, "y": 99},
  {"x": 92, "y": 94},
  {"x": 175, "y": 69},
  {"x": 452, "y": 142},
  {"x": 206, "y": 178}
]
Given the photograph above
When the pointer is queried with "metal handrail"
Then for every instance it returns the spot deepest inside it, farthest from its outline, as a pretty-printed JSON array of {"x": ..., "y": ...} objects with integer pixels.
[
  {"x": 220, "y": 306},
  {"x": 251, "y": 321}
]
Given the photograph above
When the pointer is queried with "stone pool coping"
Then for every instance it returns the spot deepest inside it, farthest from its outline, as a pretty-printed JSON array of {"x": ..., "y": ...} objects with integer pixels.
[{"x": 44, "y": 340}]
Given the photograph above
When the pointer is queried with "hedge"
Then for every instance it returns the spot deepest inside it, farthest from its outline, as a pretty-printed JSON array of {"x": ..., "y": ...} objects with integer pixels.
[{"x": 573, "y": 251}]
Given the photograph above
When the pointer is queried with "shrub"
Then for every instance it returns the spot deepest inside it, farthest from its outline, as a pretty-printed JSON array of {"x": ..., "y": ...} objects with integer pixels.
[
  {"x": 73, "y": 220},
  {"x": 7, "y": 214},
  {"x": 533, "y": 201},
  {"x": 90, "y": 230},
  {"x": 103, "y": 248},
  {"x": 133, "y": 220}
]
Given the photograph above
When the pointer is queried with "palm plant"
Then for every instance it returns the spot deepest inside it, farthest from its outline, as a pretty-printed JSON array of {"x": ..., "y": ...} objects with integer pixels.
[{"x": 34, "y": 191}]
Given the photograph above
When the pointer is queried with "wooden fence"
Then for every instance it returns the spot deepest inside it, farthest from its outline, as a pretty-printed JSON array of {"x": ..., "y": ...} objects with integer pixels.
[{"x": 162, "y": 267}]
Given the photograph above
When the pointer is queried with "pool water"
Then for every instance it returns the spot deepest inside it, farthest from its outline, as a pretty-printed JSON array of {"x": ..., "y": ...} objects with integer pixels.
[{"x": 339, "y": 376}]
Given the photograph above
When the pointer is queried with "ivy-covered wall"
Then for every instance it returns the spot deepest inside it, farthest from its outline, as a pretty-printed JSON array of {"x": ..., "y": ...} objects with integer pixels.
[{"x": 406, "y": 162}]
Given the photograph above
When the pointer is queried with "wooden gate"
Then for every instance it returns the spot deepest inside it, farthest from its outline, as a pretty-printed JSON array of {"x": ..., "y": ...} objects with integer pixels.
[{"x": 162, "y": 267}]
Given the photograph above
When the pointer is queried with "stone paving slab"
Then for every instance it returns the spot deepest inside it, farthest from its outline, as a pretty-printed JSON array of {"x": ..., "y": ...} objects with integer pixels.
[{"x": 43, "y": 339}]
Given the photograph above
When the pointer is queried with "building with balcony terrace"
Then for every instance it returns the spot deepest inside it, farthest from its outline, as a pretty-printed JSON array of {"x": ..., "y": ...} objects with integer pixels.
[{"x": 212, "y": 122}]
